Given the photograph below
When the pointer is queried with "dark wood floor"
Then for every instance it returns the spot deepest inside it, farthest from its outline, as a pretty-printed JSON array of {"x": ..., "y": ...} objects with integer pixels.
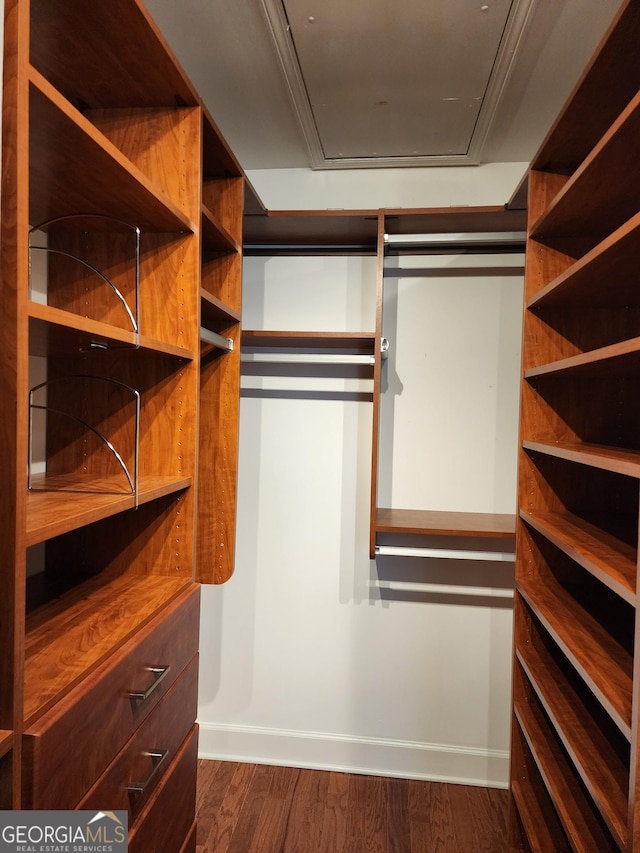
[{"x": 249, "y": 808}]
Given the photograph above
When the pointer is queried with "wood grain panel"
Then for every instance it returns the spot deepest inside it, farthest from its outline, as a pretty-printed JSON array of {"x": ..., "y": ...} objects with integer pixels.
[
  {"x": 583, "y": 830},
  {"x": 99, "y": 717},
  {"x": 602, "y": 663},
  {"x": 224, "y": 197},
  {"x": 540, "y": 823},
  {"x": 166, "y": 821},
  {"x": 222, "y": 278},
  {"x": 84, "y": 171},
  {"x": 610, "y": 560},
  {"x": 606, "y": 780},
  {"x": 164, "y": 144},
  {"x": 52, "y": 513},
  {"x": 73, "y": 49},
  {"x": 13, "y": 372},
  {"x": 441, "y": 523},
  {"x": 607, "y": 180},
  {"x": 218, "y": 463},
  {"x": 68, "y": 638},
  {"x": 162, "y": 733}
]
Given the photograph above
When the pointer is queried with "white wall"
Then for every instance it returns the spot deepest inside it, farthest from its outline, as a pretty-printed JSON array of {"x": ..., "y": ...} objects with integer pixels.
[
  {"x": 367, "y": 189},
  {"x": 309, "y": 656}
]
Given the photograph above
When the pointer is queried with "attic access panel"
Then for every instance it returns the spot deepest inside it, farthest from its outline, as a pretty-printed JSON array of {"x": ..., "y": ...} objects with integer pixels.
[{"x": 405, "y": 83}]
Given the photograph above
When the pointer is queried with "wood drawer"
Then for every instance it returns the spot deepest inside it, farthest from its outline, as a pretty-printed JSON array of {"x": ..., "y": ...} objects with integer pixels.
[
  {"x": 167, "y": 820},
  {"x": 69, "y": 747},
  {"x": 148, "y": 754}
]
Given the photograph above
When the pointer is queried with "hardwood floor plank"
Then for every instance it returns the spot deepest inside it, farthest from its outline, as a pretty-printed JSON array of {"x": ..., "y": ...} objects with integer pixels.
[
  {"x": 222, "y": 828},
  {"x": 398, "y": 830},
  {"x": 247, "y": 808},
  {"x": 243, "y": 834},
  {"x": 334, "y": 819},
  {"x": 307, "y": 811}
]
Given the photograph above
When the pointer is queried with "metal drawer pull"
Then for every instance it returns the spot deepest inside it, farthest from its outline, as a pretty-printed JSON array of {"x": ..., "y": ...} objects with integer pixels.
[
  {"x": 159, "y": 673},
  {"x": 157, "y": 757}
]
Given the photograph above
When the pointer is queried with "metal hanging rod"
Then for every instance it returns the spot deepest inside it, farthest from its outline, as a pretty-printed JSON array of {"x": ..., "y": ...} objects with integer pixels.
[
  {"x": 305, "y": 358},
  {"x": 479, "y": 238},
  {"x": 209, "y": 337},
  {"x": 448, "y": 589},
  {"x": 444, "y": 553}
]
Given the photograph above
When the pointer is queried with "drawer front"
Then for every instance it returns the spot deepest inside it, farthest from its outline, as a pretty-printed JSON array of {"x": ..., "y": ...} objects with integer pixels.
[
  {"x": 69, "y": 747},
  {"x": 138, "y": 768},
  {"x": 167, "y": 819}
]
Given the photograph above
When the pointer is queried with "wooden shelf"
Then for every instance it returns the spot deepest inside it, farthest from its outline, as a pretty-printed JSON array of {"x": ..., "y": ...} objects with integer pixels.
[
  {"x": 89, "y": 44},
  {"x": 217, "y": 158},
  {"x": 603, "y": 664},
  {"x": 215, "y": 238},
  {"x": 616, "y": 460},
  {"x": 354, "y": 342},
  {"x": 216, "y": 314},
  {"x": 603, "y": 278},
  {"x": 541, "y": 829},
  {"x": 60, "y": 333},
  {"x": 576, "y": 647},
  {"x": 574, "y": 809},
  {"x": 607, "y": 778},
  {"x": 610, "y": 81},
  {"x": 51, "y": 513},
  {"x": 610, "y": 560},
  {"x": 70, "y": 636},
  {"x": 311, "y": 230},
  {"x": 87, "y": 172},
  {"x": 439, "y": 523},
  {"x": 573, "y": 222},
  {"x": 615, "y": 359}
]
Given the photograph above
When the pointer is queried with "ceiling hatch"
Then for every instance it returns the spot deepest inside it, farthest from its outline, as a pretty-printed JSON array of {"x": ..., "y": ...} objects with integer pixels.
[{"x": 403, "y": 83}]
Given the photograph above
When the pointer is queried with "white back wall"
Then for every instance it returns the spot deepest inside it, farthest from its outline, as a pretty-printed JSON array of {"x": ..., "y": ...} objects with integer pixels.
[
  {"x": 371, "y": 189},
  {"x": 308, "y": 656}
]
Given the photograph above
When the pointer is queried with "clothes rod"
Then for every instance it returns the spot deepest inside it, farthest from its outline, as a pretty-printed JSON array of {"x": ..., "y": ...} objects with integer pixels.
[
  {"x": 478, "y": 238},
  {"x": 444, "y": 553},
  {"x": 448, "y": 589},
  {"x": 305, "y": 358},
  {"x": 209, "y": 337}
]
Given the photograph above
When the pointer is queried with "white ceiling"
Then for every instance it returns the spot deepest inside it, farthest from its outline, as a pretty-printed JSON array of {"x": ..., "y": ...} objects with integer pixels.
[{"x": 342, "y": 83}]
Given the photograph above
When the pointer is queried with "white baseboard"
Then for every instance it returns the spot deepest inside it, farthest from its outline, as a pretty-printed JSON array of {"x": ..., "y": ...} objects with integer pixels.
[{"x": 404, "y": 759}]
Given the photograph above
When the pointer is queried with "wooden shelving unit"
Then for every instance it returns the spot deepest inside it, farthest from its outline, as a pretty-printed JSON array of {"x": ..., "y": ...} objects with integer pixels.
[
  {"x": 220, "y": 310},
  {"x": 575, "y": 727},
  {"x": 363, "y": 232},
  {"x": 121, "y": 240}
]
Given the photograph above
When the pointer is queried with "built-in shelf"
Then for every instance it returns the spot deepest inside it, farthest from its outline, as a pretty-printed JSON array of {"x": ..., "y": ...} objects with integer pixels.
[
  {"x": 586, "y": 278},
  {"x": 573, "y": 222},
  {"x": 355, "y": 342},
  {"x": 574, "y": 808},
  {"x": 85, "y": 171},
  {"x": 54, "y": 332},
  {"x": 616, "y": 358},
  {"x": 544, "y": 833},
  {"x": 216, "y": 314},
  {"x": 601, "y": 661},
  {"x": 607, "y": 558},
  {"x": 617, "y": 460},
  {"x": 71, "y": 635},
  {"x": 214, "y": 236},
  {"x": 440, "y": 523},
  {"x": 608, "y": 777},
  {"x": 52, "y": 513}
]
